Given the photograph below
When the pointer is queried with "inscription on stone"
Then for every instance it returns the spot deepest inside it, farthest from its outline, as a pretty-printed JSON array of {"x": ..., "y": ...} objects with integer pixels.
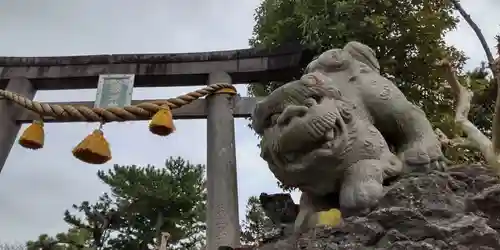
[{"x": 114, "y": 91}]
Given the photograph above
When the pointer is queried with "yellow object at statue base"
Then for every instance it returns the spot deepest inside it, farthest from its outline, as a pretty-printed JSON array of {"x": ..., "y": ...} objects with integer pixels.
[
  {"x": 162, "y": 123},
  {"x": 94, "y": 149},
  {"x": 332, "y": 218},
  {"x": 33, "y": 137}
]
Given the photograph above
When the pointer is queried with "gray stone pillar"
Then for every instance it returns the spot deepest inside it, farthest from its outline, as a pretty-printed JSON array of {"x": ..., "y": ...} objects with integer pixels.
[
  {"x": 8, "y": 114},
  {"x": 223, "y": 228}
]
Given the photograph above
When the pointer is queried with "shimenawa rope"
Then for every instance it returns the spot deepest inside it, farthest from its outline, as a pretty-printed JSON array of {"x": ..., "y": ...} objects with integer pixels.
[
  {"x": 133, "y": 112},
  {"x": 94, "y": 148}
]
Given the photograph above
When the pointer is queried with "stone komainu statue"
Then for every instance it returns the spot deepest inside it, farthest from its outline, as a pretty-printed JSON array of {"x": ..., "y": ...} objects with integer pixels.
[{"x": 330, "y": 133}]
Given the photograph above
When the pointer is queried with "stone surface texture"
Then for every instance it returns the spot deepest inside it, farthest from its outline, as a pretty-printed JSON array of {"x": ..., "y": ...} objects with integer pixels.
[
  {"x": 223, "y": 228},
  {"x": 158, "y": 70},
  {"x": 224, "y": 55},
  {"x": 341, "y": 131},
  {"x": 457, "y": 209}
]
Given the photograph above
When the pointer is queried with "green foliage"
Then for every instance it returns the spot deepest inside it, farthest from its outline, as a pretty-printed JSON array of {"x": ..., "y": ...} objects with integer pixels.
[
  {"x": 481, "y": 113},
  {"x": 408, "y": 37},
  {"x": 99, "y": 219},
  {"x": 482, "y": 110},
  {"x": 175, "y": 194},
  {"x": 73, "y": 239},
  {"x": 256, "y": 222},
  {"x": 144, "y": 202}
]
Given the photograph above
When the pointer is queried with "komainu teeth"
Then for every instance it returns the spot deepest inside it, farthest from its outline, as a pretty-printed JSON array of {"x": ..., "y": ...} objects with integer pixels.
[{"x": 329, "y": 135}]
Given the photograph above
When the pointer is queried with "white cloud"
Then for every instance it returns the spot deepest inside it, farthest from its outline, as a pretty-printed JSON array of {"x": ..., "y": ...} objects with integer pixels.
[{"x": 36, "y": 187}]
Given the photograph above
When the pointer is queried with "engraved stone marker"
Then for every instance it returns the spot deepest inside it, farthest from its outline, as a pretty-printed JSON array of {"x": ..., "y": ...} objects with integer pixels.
[{"x": 114, "y": 91}]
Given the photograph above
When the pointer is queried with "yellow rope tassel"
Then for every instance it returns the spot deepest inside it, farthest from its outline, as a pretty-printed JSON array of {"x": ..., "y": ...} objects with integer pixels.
[
  {"x": 332, "y": 218},
  {"x": 94, "y": 149},
  {"x": 33, "y": 137},
  {"x": 162, "y": 123}
]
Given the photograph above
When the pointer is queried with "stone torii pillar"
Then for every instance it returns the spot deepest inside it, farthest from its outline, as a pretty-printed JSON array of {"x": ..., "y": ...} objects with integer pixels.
[
  {"x": 223, "y": 227},
  {"x": 9, "y": 111}
]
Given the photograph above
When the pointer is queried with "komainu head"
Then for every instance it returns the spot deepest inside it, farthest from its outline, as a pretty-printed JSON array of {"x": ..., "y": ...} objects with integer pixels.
[
  {"x": 303, "y": 127},
  {"x": 334, "y": 60}
]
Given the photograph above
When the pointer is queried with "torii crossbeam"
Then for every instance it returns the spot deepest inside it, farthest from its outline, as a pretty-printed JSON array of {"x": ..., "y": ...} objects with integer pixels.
[{"x": 25, "y": 76}]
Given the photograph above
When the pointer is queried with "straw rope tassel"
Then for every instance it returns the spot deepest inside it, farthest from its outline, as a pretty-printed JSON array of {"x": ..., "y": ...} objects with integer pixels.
[
  {"x": 162, "y": 123},
  {"x": 94, "y": 149},
  {"x": 33, "y": 137}
]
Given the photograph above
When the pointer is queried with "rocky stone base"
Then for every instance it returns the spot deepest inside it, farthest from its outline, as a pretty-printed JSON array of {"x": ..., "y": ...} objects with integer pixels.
[{"x": 459, "y": 209}]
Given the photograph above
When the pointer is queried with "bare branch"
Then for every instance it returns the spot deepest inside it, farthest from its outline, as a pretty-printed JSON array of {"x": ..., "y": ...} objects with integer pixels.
[
  {"x": 164, "y": 239},
  {"x": 477, "y": 30},
  {"x": 459, "y": 142},
  {"x": 496, "y": 116},
  {"x": 495, "y": 68},
  {"x": 463, "y": 98}
]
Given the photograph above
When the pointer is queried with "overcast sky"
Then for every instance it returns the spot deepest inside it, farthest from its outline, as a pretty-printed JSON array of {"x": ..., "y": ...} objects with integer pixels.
[{"x": 36, "y": 187}]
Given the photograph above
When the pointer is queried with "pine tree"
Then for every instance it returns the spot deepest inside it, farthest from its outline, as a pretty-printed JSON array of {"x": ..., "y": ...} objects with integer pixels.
[
  {"x": 144, "y": 202},
  {"x": 256, "y": 222}
]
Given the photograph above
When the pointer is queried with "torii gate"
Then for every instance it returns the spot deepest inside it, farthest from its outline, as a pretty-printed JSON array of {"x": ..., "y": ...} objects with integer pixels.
[{"x": 25, "y": 76}]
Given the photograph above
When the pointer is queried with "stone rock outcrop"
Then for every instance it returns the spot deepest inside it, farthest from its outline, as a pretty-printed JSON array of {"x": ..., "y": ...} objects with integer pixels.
[{"x": 458, "y": 209}]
